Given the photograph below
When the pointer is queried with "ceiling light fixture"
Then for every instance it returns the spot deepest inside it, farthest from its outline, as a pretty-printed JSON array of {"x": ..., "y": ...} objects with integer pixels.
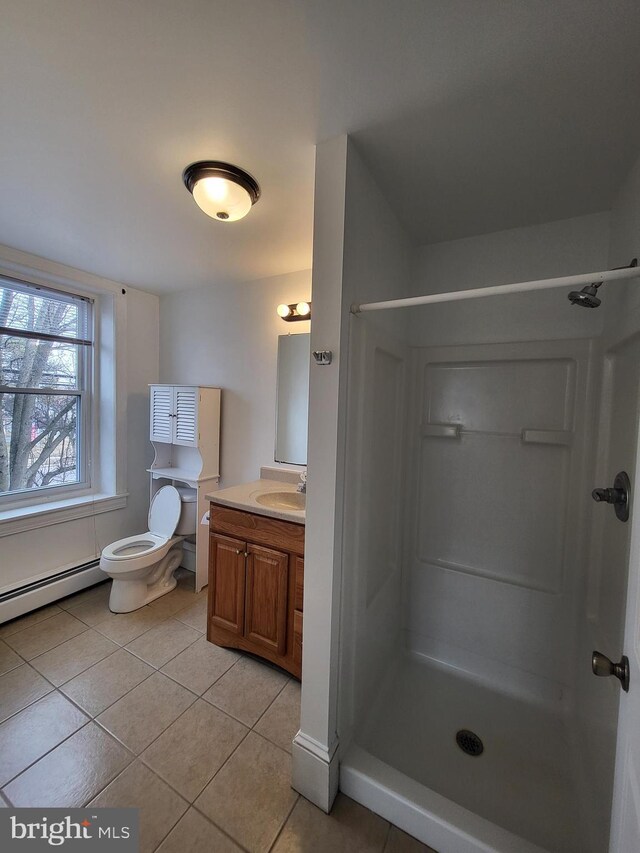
[
  {"x": 221, "y": 190},
  {"x": 294, "y": 312}
]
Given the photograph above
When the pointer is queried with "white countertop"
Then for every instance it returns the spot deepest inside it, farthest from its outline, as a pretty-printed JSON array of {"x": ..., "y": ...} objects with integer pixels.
[{"x": 244, "y": 497}]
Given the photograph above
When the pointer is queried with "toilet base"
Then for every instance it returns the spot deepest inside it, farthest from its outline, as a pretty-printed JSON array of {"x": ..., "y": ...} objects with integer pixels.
[{"x": 132, "y": 594}]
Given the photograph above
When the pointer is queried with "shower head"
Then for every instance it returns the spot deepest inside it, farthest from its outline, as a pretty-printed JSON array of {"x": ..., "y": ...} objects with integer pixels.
[{"x": 587, "y": 297}]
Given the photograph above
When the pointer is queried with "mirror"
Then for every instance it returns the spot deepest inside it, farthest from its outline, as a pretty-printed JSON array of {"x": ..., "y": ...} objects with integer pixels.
[{"x": 292, "y": 399}]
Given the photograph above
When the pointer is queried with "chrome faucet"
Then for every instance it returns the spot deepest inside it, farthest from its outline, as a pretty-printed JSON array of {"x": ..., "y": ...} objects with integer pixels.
[{"x": 302, "y": 485}]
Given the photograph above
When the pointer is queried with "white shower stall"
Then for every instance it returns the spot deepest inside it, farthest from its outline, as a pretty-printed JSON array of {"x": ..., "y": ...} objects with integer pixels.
[
  {"x": 477, "y": 573},
  {"x": 477, "y": 553}
]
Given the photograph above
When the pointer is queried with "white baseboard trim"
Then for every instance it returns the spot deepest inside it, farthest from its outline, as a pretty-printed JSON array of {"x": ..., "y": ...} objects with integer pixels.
[
  {"x": 32, "y": 599},
  {"x": 315, "y": 770}
]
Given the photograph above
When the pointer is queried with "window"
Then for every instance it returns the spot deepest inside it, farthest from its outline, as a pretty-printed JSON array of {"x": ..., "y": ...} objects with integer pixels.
[{"x": 46, "y": 342}]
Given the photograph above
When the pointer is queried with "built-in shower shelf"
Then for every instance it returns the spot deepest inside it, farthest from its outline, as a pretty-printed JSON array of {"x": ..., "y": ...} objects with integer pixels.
[
  {"x": 441, "y": 430},
  {"x": 558, "y": 437},
  {"x": 547, "y": 436}
]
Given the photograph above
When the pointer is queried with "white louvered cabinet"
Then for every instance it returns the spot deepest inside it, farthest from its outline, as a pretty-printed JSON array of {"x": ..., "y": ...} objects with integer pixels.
[
  {"x": 174, "y": 414},
  {"x": 184, "y": 427},
  {"x": 185, "y": 421},
  {"x": 161, "y": 413}
]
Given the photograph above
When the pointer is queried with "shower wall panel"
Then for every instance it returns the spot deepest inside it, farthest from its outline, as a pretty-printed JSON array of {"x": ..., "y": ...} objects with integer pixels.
[
  {"x": 371, "y": 633},
  {"x": 493, "y": 538}
]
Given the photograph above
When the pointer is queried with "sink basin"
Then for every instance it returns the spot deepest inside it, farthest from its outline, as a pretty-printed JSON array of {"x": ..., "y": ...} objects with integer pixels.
[{"x": 282, "y": 500}]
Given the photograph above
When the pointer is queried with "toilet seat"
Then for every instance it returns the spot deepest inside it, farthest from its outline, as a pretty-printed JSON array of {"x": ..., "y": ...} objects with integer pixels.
[
  {"x": 117, "y": 566},
  {"x": 144, "y": 549},
  {"x": 142, "y": 566},
  {"x": 130, "y": 547}
]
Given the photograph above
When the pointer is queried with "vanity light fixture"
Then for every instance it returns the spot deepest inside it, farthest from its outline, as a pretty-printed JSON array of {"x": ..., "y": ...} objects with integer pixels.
[
  {"x": 221, "y": 190},
  {"x": 294, "y": 312}
]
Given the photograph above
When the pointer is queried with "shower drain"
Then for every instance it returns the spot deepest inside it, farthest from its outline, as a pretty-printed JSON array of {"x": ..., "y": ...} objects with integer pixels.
[{"x": 469, "y": 742}]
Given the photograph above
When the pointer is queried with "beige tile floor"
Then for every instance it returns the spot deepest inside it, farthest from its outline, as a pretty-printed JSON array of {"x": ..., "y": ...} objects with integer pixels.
[{"x": 139, "y": 710}]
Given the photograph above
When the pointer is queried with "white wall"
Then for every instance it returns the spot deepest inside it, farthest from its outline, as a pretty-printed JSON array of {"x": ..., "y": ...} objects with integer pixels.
[
  {"x": 65, "y": 545},
  {"x": 565, "y": 247},
  {"x": 377, "y": 266},
  {"x": 360, "y": 254},
  {"x": 226, "y": 335}
]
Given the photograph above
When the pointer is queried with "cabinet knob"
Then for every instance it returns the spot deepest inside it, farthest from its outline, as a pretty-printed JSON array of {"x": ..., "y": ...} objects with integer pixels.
[{"x": 240, "y": 551}]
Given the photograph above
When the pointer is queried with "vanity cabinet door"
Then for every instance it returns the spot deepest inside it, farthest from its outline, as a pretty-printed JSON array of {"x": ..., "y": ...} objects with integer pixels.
[
  {"x": 228, "y": 583},
  {"x": 266, "y": 598}
]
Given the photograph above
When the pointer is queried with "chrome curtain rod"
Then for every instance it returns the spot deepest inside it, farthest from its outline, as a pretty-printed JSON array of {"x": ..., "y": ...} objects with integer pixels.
[{"x": 501, "y": 289}]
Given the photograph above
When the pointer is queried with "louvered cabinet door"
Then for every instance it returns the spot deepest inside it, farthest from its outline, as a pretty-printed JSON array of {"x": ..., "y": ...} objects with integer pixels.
[
  {"x": 265, "y": 612},
  {"x": 161, "y": 414},
  {"x": 186, "y": 416}
]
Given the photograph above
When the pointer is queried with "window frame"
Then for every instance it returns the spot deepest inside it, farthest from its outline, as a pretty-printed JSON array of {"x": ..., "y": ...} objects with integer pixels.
[{"x": 85, "y": 393}]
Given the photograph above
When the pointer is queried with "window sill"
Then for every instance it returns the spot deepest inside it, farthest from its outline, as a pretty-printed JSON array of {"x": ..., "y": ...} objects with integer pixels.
[{"x": 20, "y": 520}]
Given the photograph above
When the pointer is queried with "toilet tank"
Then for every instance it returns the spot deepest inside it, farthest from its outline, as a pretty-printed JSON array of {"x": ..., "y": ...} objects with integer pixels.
[{"x": 189, "y": 505}]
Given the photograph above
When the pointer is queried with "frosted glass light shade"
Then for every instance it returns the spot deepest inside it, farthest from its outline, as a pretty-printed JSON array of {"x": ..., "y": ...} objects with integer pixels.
[
  {"x": 222, "y": 191},
  {"x": 222, "y": 199}
]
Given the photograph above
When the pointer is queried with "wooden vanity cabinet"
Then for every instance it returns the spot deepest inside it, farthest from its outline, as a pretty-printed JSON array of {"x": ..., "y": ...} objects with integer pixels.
[{"x": 256, "y": 582}]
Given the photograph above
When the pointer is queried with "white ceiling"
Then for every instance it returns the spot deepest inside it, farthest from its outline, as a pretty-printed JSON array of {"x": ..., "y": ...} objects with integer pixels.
[{"x": 475, "y": 115}]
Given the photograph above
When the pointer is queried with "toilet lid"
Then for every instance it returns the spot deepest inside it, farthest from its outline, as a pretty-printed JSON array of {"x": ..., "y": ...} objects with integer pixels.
[{"x": 164, "y": 512}]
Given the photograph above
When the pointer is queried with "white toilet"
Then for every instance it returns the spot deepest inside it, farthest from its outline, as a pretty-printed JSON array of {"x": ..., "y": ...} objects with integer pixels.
[{"x": 142, "y": 566}]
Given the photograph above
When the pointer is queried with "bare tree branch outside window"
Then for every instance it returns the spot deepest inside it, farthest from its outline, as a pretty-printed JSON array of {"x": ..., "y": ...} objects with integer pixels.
[{"x": 40, "y": 388}]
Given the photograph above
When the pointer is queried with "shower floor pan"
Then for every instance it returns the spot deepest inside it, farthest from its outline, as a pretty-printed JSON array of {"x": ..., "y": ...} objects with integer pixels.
[{"x": 518, "y": 796}]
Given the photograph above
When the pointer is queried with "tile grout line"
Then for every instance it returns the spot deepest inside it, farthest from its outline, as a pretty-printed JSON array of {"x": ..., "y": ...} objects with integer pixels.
[
  {"x": 56, "y": 645},
  {"x": 190, "y": 804},
  {"x": 157, "y": 776},
  {"x": 96, "y": 627},
  {"x": 58, "y": 688},
  {"x": 87, "y": 627},
  {"x": 115, "y": 651},
  {"x": 159, "y": 668},
  {"x": 69, "y": 608},
  {"x": 33, "y": 701},
  {"x": 88, "y": 722},
  {"x": 119, "y": 648},
  {"x": 132, "y": 755},
  {"x": 284, "y": 822},
  {"x": 104, "y": 728},
  {"x": 44, "y": 754},
  {"x": 182, "y": 713},
  {"x": 215, "y": 681},
  {"x": 271, "y": 703},
  {"x": 84, "y": 710},
  {"x": 219, "y": 828},
  {"x": 173, "y": 826},
  {"x": 93, "y": 627},
  {"x": 94, "y": 718},
  {"x": 26, "y": 627}
]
